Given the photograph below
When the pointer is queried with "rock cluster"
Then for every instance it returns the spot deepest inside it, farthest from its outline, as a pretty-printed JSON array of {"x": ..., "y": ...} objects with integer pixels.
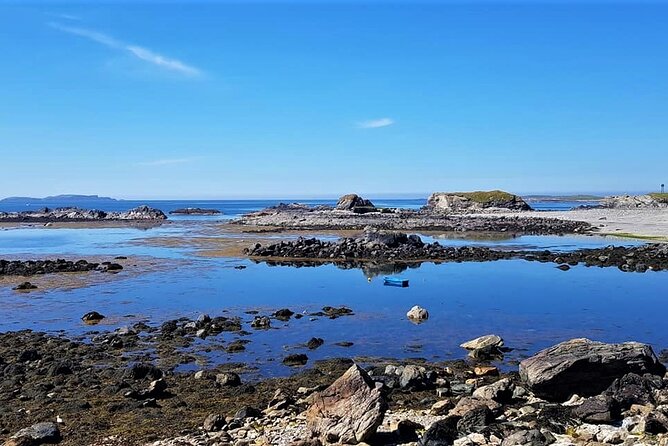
[
  {"x": 141, "y": 213},
  {"x": 389, "y": 247},
  {"x": 648, "y": 201},
  {"x": 374, "y": 246},
  {"x": 34, "y": 267}
]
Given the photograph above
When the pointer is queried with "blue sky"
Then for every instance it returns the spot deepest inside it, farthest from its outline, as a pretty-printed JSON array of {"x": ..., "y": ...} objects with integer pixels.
[{"x": 216, "y": 99}]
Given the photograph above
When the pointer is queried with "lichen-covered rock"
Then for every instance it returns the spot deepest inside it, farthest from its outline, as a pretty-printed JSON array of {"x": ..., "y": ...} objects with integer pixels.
[
  {"x": 475, "y": 201},
  {"x": 585, "y": 367},
  {"x": 351, "y": 202},
  {"x": 349, "y": 411}
]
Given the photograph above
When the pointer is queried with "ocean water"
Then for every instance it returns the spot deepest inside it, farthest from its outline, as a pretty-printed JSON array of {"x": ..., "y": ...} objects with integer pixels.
[
  {"x": 531, "y": 305},
  {"x": 235, "y": 208}
]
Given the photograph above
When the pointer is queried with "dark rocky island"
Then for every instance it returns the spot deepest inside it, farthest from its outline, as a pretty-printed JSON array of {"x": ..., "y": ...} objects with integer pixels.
[
  {"x": 38, "y": 267},
  {"x": 47, "y": 215},
  {"x": 377, "y": 246},
  {"x": 195, "y": 211}
]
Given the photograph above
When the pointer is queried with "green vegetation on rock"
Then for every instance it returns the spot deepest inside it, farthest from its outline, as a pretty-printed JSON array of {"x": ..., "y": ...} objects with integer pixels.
[
  {"x": 661, "y": 197},
  {"x": 492, "y": 196}
]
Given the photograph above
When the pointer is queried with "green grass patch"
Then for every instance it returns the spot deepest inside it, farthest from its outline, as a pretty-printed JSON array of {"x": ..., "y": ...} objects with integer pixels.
[
  {"x": 654, "y": 238},
  {"x": 483, "y": 197},
  {"x": 661, "y": 197}
]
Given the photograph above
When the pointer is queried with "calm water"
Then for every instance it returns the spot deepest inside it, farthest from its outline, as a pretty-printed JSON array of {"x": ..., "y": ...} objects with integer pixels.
[
  {"x": 235, "y": 208},
  {"x": 531, "y": 305}
]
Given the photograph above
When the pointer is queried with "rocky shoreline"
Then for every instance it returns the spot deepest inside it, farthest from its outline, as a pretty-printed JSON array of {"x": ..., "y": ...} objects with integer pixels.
[
  {"x": 379, "y": 247},
  {"x": 291, "y": 217},
  {"x": 110, "y": 392},
  {"x": 47, "y": 215}
]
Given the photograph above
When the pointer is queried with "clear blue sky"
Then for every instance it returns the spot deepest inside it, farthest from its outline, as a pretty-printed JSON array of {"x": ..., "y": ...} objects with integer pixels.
[{"x": 215, "y": 100}]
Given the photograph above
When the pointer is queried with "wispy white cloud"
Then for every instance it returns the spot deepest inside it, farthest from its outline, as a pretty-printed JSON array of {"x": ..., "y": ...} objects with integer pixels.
[
  {"x": 375, "y": 123},
  {"x": 166, "y": 162},
  {"x": 64, "y": 16},
  {"x": 141, "y": 53}
]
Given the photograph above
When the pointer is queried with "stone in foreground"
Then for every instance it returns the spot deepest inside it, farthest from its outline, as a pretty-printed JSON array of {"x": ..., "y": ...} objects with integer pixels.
[
  {"x": 36, "y": 434},
  {"x": 349, "y": 411},
  {"x": 585, "y": 367}
]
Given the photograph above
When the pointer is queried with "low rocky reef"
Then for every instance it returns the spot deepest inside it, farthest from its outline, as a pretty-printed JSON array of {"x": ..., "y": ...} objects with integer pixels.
[
  {"x": 578, "y": 392},
  {"x": 648, "y": 201},
  {"x": 47, "y": 215},
  {"x": 354, "y": 212},
  {"x": 37, "y": 267},
  {"x": 195, "y": 211},
  {"x": 476, "y": 201},
  {"x": 375, "y": 246}
]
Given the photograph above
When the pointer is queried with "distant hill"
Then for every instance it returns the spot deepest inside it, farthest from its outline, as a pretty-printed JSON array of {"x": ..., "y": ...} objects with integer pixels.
[{"x": 73, "y": 200}]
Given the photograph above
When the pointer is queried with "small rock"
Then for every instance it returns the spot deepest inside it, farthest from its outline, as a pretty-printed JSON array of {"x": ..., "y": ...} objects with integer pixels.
[
  {"x": 213, "y": 423},
  {"x": 92, "y": 317},
  {"x": 228, "y": 379},
  {"x": 417, "y": 314}
]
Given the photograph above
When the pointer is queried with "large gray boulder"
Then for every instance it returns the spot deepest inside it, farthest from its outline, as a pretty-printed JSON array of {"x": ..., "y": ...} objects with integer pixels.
[
  {"x": 585, "y": 367},
  {"x": 352, "y": 202},
  {"x": 475, "y": 201},
  {"x": 39, "y": 433},
  {"x": 349, "y": 411}
]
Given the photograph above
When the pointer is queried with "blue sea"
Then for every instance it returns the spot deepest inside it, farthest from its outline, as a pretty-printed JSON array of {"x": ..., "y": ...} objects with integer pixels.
[{"x": 531, "y": 305}]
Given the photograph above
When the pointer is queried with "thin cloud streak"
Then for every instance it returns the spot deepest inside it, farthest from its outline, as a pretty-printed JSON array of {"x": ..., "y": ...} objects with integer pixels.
[
  {"x": 166, "y": 162},
  {"x": 64, "y": 16},
  {"x": 141, "y": 53},
  {"x": 376, "y": 123}
]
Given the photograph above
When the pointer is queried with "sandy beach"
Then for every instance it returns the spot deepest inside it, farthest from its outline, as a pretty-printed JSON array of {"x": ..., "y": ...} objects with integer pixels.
[{"x": 649, "y": 224}]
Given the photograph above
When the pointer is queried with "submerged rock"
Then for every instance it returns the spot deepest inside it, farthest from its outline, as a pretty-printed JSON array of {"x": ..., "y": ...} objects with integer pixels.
[
  {"x": 92, "y": 317},
  {"x": 349, "y": 411},
  {"x": 585, "y": 367},
  {"x": 25, "y": 286},
  {"x": 298, "y": 359}
]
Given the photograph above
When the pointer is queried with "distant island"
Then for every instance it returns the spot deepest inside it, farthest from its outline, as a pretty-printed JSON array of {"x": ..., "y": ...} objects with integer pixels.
[
  {"x": 557, "y": 198},
  {"x": 71, "y": 199}
]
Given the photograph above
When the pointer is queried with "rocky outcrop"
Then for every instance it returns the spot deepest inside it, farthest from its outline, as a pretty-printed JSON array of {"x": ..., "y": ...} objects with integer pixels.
[
  {"x": 35, "y": 267},
  {"x": 349, "y": 411},
  {"x": 585, "y": 367},
  {"x": 475, "y": 201},
  {"x": 195, "y": 211},
  {"x": 355, "y": 203},
  {"x": 649, "y": 201},
  {"x": 141, "y": 213}
]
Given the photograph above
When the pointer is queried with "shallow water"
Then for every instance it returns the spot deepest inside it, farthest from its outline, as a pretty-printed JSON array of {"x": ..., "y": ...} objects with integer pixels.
[{"x": 531, "y": 305}]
